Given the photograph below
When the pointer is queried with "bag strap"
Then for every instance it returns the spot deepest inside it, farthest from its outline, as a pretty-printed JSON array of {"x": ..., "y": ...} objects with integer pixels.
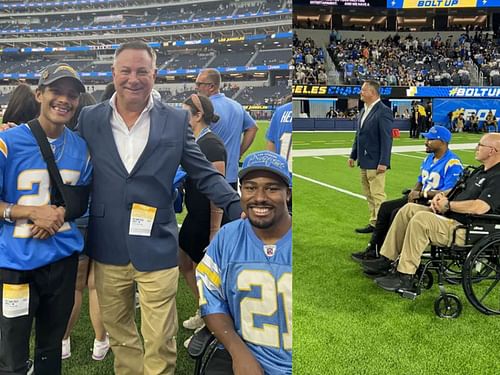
[{"x": 48, "y": 155}]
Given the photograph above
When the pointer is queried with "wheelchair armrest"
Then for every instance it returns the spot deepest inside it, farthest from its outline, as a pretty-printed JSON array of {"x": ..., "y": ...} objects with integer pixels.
[
  {"x": 200, "y": 343},
  {"x": 487, "y": 217}
]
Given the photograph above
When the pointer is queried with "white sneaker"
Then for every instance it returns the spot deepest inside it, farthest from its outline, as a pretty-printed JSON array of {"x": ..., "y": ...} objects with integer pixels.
[
  {"x": 194, "y": 322},
  {"x": 100, "y": 350},
  {"x": 31, "y": 367},
  {"x": 66, "y": 348},
  {"x": 188, "y": 340}
]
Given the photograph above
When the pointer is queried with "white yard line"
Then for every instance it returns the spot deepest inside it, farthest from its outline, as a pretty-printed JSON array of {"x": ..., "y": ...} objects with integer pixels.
[
  {"x": 330, "y": 186},
  {"x": 318, "y": 157},
  {"x": 408, "y": 156},
  {"x": 395, "y": 149}
]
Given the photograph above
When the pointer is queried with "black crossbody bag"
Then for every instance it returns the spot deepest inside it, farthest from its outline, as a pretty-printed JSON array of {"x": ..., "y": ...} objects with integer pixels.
[{"x": 74, "y": 198}]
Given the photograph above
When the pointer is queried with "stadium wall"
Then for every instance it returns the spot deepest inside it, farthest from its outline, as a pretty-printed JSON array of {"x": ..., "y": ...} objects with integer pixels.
[{"x": 311, "y": 124}]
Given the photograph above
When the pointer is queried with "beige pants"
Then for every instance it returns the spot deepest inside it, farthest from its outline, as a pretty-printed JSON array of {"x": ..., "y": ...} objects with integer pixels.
[
  {"x": 157, "y": 290},
  {"x": 414, "y": 228},
  {"x": 374, "y": 189}
]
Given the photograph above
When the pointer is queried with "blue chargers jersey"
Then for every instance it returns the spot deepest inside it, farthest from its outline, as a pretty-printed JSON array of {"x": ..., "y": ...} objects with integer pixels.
[
  {"x": 442, "y": 174},
  {"x": 24, "y": 180},
  {"x": 280, "y": 131},
  {"x": 237, "y": 278}
]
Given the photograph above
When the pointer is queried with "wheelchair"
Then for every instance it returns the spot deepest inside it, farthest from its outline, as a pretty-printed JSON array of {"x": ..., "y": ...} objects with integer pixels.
[
  {"x": 474, "y": 264},
  {"x": 201, "y": 348}
]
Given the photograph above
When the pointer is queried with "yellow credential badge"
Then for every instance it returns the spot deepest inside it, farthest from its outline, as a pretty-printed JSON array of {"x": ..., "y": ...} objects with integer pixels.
[
  {"x": 141, "y": 220},
  {"x": 15, "y": 300}
]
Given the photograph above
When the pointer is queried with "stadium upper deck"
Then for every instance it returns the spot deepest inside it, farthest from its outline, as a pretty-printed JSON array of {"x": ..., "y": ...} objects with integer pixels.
[{"x": 248, "y": 41}]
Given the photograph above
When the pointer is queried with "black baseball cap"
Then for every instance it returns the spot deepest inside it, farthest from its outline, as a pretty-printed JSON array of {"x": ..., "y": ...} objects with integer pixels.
[{"x": 57, "y": 71}]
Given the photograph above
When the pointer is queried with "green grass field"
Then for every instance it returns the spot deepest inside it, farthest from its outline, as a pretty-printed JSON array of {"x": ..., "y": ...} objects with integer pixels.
[
  {"x": 344, "y": 323},
  {"x": 81, "y": 363}
]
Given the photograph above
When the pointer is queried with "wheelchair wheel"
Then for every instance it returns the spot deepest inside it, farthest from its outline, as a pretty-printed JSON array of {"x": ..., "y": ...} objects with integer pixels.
[
  {"x": 448, "y": 306},
  {"x": 427, "y": 280},
  {"x": 481, "y": 276}
]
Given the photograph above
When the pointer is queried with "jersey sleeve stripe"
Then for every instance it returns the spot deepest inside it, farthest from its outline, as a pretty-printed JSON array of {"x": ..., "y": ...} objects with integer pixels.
[
  {"x": 3, "y": 147},
  {"x": 212, "y": 276}
]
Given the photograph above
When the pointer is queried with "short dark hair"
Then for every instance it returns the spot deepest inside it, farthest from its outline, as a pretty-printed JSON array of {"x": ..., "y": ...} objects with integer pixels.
[
  {"x": 137, "y": 45},
  {"x": 213, "y": 76},
  {"x": 22, "y": 106},
  {"x": 375, "y": 85}
]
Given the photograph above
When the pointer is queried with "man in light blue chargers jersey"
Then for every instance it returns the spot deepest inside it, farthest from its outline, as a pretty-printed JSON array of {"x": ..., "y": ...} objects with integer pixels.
[
  {"x": 236, "y": 127},
  {"x": 245, "y": 278}
]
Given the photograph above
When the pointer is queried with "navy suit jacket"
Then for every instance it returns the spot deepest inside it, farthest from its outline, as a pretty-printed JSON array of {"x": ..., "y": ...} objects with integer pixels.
[
  {"x": 373, "y": 142},
  {"x": 114, "y": 190}
]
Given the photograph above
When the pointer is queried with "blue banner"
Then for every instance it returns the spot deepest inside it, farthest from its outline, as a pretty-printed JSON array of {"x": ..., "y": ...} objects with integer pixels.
[
  {"x": 453, "y": 92},
  {"x": 53, "y": 4},
  {"x": 161, "y": 72},
  {"x": 146, "y": 24},
  {"x": 443, "y": 108}
]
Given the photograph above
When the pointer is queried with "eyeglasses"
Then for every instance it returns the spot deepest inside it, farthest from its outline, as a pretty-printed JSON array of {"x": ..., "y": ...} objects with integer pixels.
[
  {"x": 203, "y": 83},
  {"x": 483, "y": 145}
]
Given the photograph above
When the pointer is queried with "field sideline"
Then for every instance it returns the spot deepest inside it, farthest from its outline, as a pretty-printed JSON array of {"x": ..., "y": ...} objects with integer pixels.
[{"x": 344, "y": 323}]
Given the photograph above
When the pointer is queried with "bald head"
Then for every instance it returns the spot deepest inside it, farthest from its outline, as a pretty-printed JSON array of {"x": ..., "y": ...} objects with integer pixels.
[
  {"x": 493, "y": 139},
  {"x": 488, "y": 150}
]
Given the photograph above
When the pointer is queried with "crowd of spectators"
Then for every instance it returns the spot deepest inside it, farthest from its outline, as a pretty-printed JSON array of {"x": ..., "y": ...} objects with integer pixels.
[
  {"x": 410, "y": 61},
  {"x": 413, "y": 61},
  {"x": 309, "y": 62}
]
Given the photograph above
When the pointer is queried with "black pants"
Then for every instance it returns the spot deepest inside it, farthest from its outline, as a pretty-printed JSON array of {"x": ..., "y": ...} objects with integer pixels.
[
  {"x": 51, "y": 298},
  {"x": 385, "y": 216},
  {"x": 221, "y": 363}
]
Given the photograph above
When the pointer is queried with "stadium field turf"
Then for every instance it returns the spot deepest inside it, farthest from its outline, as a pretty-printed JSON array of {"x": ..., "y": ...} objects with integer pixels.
[
  {"x": 343, "y": 322},
  {"x": 81, "y": 363}
]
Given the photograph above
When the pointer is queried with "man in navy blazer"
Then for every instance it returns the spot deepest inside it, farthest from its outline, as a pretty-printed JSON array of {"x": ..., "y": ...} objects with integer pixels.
[
  {"x": 136, "y": 144},
  {"x": 372, "y": 148}
]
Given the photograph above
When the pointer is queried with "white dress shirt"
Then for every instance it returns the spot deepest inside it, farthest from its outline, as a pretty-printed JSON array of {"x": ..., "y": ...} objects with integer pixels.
[
  {"x": 130, "y": 143},
  {"x": 367, "y": 112}
]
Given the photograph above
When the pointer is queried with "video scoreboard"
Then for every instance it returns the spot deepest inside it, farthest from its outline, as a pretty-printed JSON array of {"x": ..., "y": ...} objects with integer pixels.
[{"x": 341, "y": 3}]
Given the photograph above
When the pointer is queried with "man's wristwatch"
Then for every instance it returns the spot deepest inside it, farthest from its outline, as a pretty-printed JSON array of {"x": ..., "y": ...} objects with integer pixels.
[
  {"x": 7, "y": 212},
  {"x": 446, "y": 206}
]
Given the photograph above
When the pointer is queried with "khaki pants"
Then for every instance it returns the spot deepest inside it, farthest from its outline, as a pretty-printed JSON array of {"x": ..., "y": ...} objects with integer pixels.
[
  {"x": 373, "y": 185},
  {"x": 157, "y": 290},
  {"x": 414, "y": 228}
]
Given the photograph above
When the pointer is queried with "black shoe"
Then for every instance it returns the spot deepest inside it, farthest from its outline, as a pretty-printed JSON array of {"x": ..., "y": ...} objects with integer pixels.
[
  {"x": 378, "y": 265},
  {"x": 368, "y": 254},
  {"x": 373, "y": 275},
  {"x": 368, "y": 229},
  {"x": 397, "y": 282}
]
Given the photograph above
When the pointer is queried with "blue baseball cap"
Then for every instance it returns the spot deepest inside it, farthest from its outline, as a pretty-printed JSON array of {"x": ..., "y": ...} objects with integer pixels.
[
  {"x": 438, "y": 132},
  {"x": 266, "y": 161}
]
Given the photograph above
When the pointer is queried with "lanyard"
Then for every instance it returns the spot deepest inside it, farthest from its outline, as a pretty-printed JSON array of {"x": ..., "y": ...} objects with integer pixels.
[{"x": 202, "y": 133}]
